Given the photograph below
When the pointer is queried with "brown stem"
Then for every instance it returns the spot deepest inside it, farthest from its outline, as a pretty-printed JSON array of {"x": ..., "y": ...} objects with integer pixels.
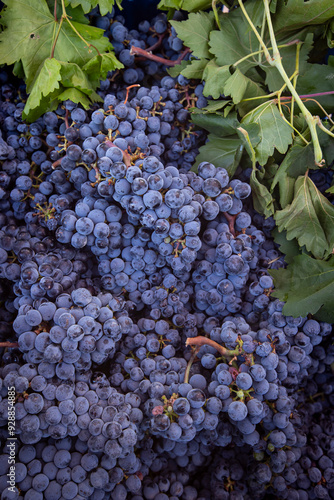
[
  {"x": 189, "y": 365},
  {"x": 200, "y": 341},
  {"x": 152, "y": 57},
  {"x": 55, "y": 11},
  {"x": 66, "y": 118},
  {"x": 231, "y": 220},
  {"x": 56, "y": 163},
  {"x": 157, "y": 43},
  {"x": 128, "y": 89},
  {"x": 305, "y": 96},
  {"x": 126, "y": 155},
  {"x": 9, "y": 344}
]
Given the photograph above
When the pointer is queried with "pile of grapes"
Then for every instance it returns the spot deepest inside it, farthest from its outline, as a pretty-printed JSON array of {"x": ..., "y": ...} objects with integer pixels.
[{"x": 138, "y": 330}]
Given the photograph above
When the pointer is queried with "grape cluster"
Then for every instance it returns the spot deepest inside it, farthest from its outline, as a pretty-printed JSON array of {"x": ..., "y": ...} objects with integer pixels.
[{"x": 138, "y": 326}]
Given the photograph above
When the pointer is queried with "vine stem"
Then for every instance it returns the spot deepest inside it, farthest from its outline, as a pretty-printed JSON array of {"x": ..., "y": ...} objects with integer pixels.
[
  {"x": 231, "y": 221},
  {"x": 215, "y": 11},
  {"x": 295, "y": 83},
  {"x": 167, "y": 62},
  {"x": 263, "y": 27},
  {"x": 276, "y": 62},
  {"x": 189, "y": 365},
  {"x": 66, "y": 18},
  {"x": 261, "y": 52},
  {"x": 200, "y": 341},
  {"x": 75, "y": 30},
  {"x": 306, "y": 96},
  {"x": 157, "y": 44},
  {"x": 55, "y": 11},
  {"x": 56, "y": 38},
  {"x": 9, "y": 344}
]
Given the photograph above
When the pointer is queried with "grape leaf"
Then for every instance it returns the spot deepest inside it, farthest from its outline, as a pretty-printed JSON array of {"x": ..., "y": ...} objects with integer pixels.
[
  {"x": 76, "y": 95},
  {"x": 169, "y": 4},
  {"x": 98, "y": 67},
  {"x": 255, "y": 10},
  {"x": 234, "y": 42},
  {"x": 46, "y": 82},
  {"x": 318, "y": 78},
  {"x": 105, "y": 6},
  {"x": 196, "y": 5},
  {"x": 262, "y": 199},
  {"x": 216, "y": 124},
  {"x": 289, "y": 248},
  {"x": 32, "y": 41},
  {"x": 274, "y": 133},
  {"x": 219, "y": 151},
  {"x": 296, "y": 162},
  {"x": 309, "y": 218},
  {"x": 239, "y": 87},
  {"x": 195, "y": 32},
  {"x": 215, "y": 78},
  {"x": 212, "y": 107},
  {"x": 174, "y": 71},
  {"x": 307, "y": 287},
  {"x": 296, "y": 14},
  {"x": 195, "y": 69}
]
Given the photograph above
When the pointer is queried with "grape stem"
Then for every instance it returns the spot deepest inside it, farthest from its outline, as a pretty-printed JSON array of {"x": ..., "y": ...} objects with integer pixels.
[
  {"x": 9, "y": 344},
  {"x": 200, "y": 341},
  {"x": 167, "y": 62},
  {"x": 189, "y": 365},
  {"x": 231, "y": 221},
  {"x": 157, "y": 44}
]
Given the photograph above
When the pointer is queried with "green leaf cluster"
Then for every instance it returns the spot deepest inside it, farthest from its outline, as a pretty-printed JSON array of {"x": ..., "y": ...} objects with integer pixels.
[
  {"x": 60, "y": 57},
  {"x": 252, "y": 119}
]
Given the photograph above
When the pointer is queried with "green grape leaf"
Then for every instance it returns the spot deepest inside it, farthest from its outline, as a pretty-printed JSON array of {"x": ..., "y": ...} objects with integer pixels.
[
  {"x": 255, "y": 10},
  {"x": 219, "y": 151},
  {"x": 274, "y": 133},
  {"x": 295, "y": 163},
  {"x": 169, "y": 4},
  {"x": 174, "y": 71},
  {"x": 316, "y": 79},
  {"x": 215, "y": 78},
  {"x": 234, "y": 42},
  {"x": 296, "y": 14},
  {"x": 196, "y": 5},
  {"x": 46, "y": 82},
  {"x": 98, "y": 67},
  {"x": 195, "y": 32},
  {"x": 195, "y": 69},
  {"x": 307, "y": 287},
  {"x": 31, "y": 41},
  {"x": 239, "y": 87},
  {"x": 298, "y": 159},
  {"x": 105, "y": 6},
  {"x": 73, "y": 76},
  {"x": 309, "y": 219},
  {"x": 216, "y": 124},
  {"x": 262, "y": 199},
  {"x": 18, "y": 70},
  {"x": 76, "y": 95},
  {"x": 212, "y": 106},
  {"x": 289, "y": 248}
]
